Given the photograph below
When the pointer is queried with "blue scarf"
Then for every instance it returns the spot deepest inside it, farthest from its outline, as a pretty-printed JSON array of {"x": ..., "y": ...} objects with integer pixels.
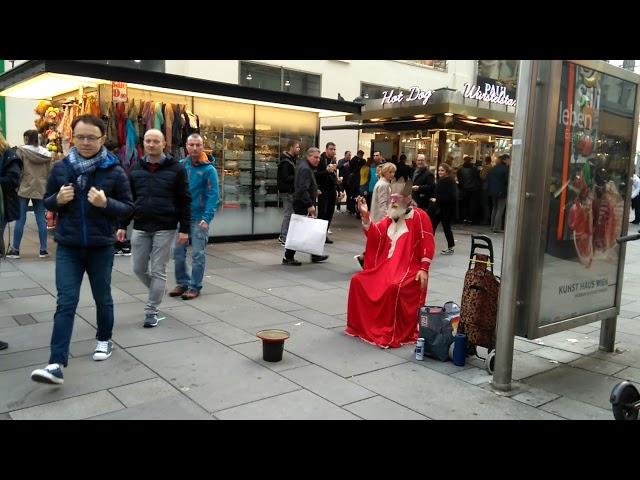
[{"x": 82, "y": 167}]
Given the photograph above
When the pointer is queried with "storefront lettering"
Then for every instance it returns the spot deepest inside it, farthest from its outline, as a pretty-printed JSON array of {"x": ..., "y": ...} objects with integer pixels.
[
  {"x": 491, "y": 93},
  {"x": 577, "y": 119},
  {"x": 416, "y": 93},
  {"x": 119, "y": 92}
]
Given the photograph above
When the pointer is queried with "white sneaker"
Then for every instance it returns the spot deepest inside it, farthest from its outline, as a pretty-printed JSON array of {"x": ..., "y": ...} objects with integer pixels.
[
  {"x": 359, "y": 260},
  {"x": 329, "y": 232},
  {"x": 52, "y": 373},
  {"x": 103, "y": 350},
  {"x": 448, "y": 251}
]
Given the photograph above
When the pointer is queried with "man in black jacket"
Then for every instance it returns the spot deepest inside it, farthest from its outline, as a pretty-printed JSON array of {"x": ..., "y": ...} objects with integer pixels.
[
  {"x": 162, "y": 203},
  {"x": 470, "y": 184},
  {"x": 353, "y": 180},
  {"x": 304, "y": 198},
  {"x": 90, "y": 192},
  {"x": 286, "y": 176},
  {"x": 327, "y": 183},
  {"x": 424, "y": 183},
  {"x": 10, "y": 173}
]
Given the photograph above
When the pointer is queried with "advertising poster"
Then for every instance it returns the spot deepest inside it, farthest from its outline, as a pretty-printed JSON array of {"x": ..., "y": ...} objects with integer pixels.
[
  {"x": 588, "y": 190},
  {"x": 500, "y": 73}
]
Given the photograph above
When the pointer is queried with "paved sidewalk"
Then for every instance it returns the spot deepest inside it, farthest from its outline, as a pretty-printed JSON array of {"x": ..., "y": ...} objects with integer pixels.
[{"x": 204, "y": 362}]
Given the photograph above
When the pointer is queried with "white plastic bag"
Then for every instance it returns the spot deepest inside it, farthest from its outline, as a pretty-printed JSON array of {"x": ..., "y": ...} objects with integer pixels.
[{"x": 307, "y": 234}]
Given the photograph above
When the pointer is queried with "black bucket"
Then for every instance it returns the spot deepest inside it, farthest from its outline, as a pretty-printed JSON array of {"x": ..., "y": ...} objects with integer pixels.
[{"x": 272, "y": 344}]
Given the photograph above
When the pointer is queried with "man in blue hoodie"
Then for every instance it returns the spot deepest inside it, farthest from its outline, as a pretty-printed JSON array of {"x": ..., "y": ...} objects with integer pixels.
[
  {"x": 89, "y": 191},
  {"x": 203, "y": 185}
]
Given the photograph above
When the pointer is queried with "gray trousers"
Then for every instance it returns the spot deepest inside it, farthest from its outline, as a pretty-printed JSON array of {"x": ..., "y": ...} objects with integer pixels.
[
  {"x": 150, "y": 252},
  {"x": 497, "y": 214},
  {"x": 287, "y": 203}
]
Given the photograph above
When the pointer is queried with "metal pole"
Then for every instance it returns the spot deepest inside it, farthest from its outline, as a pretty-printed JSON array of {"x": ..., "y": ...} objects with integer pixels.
[
  {"x": 512, "y": 238},
  {"x": 608, "y": 334}
]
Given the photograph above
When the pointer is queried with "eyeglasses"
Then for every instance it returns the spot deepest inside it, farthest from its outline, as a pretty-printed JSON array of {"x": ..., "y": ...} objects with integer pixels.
[{"x": 87, "y": 138}]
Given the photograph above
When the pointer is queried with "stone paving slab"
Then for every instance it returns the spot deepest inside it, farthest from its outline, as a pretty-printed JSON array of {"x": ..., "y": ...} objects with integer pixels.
[
  {"x": 8, "y": 321},
  {"x": 254, "y": 317},
  {"x": 167, "y": 408},
  {"x": 576, "y": 384},
  {"x": 25, "y": 319},
  {"x": 18, "y": 391},
  {"x": 12, "y": 360},
  {"x": 380, "y": 408},
  {"x": 535, "y": 397},
  {"x": 27, "y": 292},
  {"x": 318, "y": 318},
  {"x": 327, "y": 385},
  {"x": 76, "y": 408},
  {"x": 189, "y": 315},
  {"x": 257, "y": 278},
  {"x": 253, "y": 351},
  {"x": 143, "y": 392},
  {"x": 224, "y": 333},
  {"x": 556, "y": 354},
  {"x": 37, "y": 303},
  {"x": 210, "y": 374},
  {"x": 597, "y": 366},
  {"x": 17, "y": 283},
  {"x": 298, "y": 405},
  {"x": 575, "y": 410},
  {"x": 277, "y": 303},
  {"x": 29, "y": 337},
  {"x": 439, "y": 396},
  {"x": 525, "y": 345},
  {"x": 330, "y": 302},
  {"x": 474, "y": 376},
  {"x": 630, "y": 373},
  {"x": 407, "y": 352},
  {"x": 336, "y": 352}
]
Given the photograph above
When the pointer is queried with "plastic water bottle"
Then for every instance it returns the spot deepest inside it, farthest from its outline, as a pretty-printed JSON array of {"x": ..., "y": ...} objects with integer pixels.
[{"x": 420, "y": 349}]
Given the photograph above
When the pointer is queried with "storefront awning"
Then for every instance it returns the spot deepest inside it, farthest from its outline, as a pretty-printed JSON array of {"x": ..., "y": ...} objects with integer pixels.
[{"x": 45, "y": 79}]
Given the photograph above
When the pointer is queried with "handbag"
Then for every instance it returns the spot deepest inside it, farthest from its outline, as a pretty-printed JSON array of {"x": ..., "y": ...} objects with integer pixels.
[
  {"x": 307, "y": 234},
  {"x": 437, "y": 330}
]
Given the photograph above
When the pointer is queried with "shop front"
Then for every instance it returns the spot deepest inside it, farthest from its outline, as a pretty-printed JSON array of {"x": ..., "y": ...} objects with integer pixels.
[
  {"x": 245, "y": 128},
  {"x": 445, "y": 125}
]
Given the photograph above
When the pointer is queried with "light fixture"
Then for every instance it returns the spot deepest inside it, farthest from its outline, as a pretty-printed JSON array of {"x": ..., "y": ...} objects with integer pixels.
[
  {"x": 137, "y": 61},
  {"x": 471, "y": 117},
  {"x": 366, "y": 95},
  {"x": 249, "y": 77},
  {"x": 492, "y": 120},
  {"x": 375, "y": 119},
  {"x": 287, "y": 83},
  {"x": 422, "y": 115},
  {"x": 449, "y": 114}
]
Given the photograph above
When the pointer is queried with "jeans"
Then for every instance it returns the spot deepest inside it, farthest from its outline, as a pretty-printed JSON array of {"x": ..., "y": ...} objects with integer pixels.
[
  {"x": 199, "y": 239},
  {"x": 149, "y": 256},
  {"x": 327, "y": 205},
  {"x": 287, "y": 202},
  {"x": 71, "y": 263},
  {"x": 446, "y": 226},
  {"x": 497, "y": 214},
  {"x": 38, "y": 210}
]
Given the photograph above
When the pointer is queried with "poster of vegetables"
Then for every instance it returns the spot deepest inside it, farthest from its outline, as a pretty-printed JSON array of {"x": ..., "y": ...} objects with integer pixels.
[{"x": 589, "y": 185}]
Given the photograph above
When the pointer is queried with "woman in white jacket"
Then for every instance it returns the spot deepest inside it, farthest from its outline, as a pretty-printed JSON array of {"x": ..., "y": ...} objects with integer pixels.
[{"x": 381, "y": 192}]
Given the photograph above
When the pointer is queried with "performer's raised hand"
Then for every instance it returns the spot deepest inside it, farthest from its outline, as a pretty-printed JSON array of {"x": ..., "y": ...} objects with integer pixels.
[
  {"x": 422, "y": 278},
  {"x": 362, "y": 206}
]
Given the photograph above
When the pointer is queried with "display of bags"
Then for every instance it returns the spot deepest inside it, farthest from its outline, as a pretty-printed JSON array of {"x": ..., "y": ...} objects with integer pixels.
[{"x": 307, "y": 234}]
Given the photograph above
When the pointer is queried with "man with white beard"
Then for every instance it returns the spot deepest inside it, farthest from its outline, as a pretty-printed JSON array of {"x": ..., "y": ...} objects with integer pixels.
[{"x": 384, "y": 298}]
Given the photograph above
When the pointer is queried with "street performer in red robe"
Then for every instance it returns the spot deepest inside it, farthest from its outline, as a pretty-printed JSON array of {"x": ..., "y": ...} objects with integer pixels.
[{"x": 384, "y": 298}]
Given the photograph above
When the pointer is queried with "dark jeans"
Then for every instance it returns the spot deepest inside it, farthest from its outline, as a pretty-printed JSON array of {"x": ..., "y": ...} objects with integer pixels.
[
  {"x": 635, "y": 204},
  {"x": 71, "y": 263},
  {"x": 326, "y": 205},
  {"x": 470, "y": 200},
  {"x": 446, "y": 226}
]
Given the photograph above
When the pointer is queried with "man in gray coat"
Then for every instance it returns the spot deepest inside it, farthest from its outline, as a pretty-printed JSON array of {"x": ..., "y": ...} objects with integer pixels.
[{"x": 304, "y": 198}]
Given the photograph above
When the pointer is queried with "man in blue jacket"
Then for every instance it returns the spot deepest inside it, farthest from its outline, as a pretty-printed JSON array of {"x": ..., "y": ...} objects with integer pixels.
[
  {"x": 203, "y": 185},
  {"x": 89, "y": 191}
]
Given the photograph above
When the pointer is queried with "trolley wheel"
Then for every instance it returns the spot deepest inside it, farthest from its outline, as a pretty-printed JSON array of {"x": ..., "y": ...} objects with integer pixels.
[
  {"x": 626, "y": 397},
  {"x": 490, "y": 362},
  {"x": 451, "y": 351},
  {"x": 471, "y": 349}
]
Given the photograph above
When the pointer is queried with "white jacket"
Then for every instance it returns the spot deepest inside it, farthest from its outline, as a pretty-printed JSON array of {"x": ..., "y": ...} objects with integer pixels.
[
  {"x": 635, "y": 186},
  {"x": 380, "y": 200}
]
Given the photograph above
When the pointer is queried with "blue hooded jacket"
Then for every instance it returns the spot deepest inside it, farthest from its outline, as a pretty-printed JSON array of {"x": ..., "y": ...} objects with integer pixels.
[{"x": 203, "y": 185}]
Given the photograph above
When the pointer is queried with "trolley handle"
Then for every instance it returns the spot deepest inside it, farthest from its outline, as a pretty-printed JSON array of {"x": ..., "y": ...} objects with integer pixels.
[
  {"x": 628, "y": 238},
  {"x": 477, "y": 245}
]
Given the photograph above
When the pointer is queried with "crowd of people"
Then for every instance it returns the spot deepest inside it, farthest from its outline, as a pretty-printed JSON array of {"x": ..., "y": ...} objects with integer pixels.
[{"x": 172, "y": 202}]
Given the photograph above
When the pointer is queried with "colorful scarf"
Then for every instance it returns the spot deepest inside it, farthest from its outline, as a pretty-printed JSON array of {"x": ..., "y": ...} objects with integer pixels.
[
  {"x": 202, "y": 160},
  {"x": 82, "y": 167}
]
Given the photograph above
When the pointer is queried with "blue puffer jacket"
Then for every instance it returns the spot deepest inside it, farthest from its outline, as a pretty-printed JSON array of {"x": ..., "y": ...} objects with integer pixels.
[{"x": 80, "y": 224}]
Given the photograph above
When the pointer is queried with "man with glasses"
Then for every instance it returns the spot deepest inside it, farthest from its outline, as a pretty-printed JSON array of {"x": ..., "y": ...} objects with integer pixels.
[{"x": 89, "y": 191}]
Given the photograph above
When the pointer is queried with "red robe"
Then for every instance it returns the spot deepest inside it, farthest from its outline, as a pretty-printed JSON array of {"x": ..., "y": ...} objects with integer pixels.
[{"x": 384, "y": 298}]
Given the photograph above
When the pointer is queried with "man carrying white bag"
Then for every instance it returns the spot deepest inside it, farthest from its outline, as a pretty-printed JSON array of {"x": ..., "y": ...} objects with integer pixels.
[{"x": 306, "y": 233}]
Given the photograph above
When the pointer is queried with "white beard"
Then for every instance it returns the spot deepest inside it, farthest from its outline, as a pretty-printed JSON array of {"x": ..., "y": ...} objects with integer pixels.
[{"x": 396, "y": 213}]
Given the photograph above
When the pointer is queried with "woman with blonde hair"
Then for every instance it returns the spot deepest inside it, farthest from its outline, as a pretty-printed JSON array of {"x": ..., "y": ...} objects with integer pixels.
[{"x": 380, "y": 198}]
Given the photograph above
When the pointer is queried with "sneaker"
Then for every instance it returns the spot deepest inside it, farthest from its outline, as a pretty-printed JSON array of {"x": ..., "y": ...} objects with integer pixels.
[
  {"x": 13, "y": 253},
  {"x": 293, "y": 261},
  {"x": 43, "y": 254},
  {"x": 150, "y": 320},
  {"x": 190, "y": 294},
  {"x": 448, "y": 251},
  {"x": 103, "y": 350},
  {"x": 118, "y": 252},
  {"x": 359, "y": 260},
  {"x": 282, "y": 240},
  {"x": 329, "y": 232},
  {"x": 126, "y": 251},
  {"x": 177, "y": 291},
  {"x": 3, "y": 345},
  {"x": 328, "y": 241},
  {"x": 52, "y": 374},
  {"x": 319, "y": 258}
]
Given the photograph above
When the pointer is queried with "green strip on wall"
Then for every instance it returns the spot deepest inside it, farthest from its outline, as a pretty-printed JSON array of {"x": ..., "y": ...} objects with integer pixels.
[{"x": 3, "y": 111}]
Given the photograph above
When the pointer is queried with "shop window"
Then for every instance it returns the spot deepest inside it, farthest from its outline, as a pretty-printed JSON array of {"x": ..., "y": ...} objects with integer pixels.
[
  {"x": 370, "y": 91},
  {"x": 149, "y": 65},
  {"x": 279, "y": 79}
]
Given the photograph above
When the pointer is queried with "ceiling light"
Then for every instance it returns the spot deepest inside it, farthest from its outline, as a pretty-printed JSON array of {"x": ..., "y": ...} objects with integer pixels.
[
  {"x": 249, "y": 77},
  {"x": 375, "y": 119},
  {"x": 287, "y": 83},
  {"x": 470, "y": 117},
  {"x": 492, "y": 120},
  {"x": 366, "y": 95},
  {"x": 137, "y": 61},
  {"x": 419, "y": 116},
  {"x": 449, "y": 114}
]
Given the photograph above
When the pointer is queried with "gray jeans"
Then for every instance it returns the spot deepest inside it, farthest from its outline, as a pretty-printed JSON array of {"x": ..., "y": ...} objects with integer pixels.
[
  {"x": 150, "y": 253},
  {"x": 497, "y": 214},
  {"x": 287, "y": 202}
]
